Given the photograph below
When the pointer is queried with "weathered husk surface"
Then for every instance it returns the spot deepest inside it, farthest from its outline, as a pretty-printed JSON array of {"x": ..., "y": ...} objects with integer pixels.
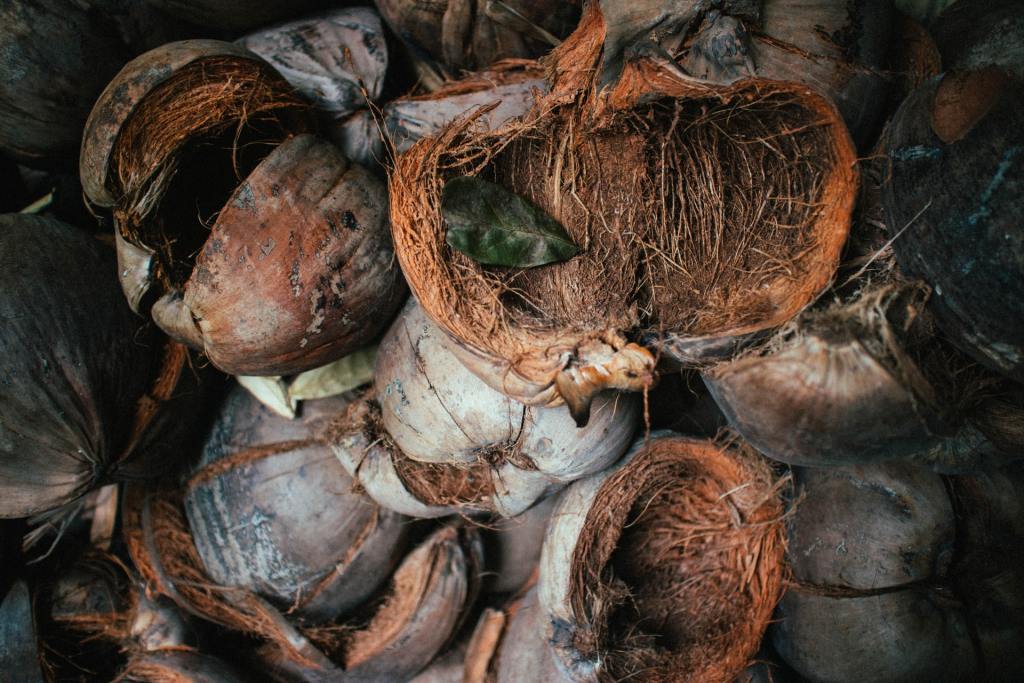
[
  {"x": 428, "y": 489},
  {"x": 57, "y": 57},
  {"x": 693, "y": 514},
  {"x": 309, "y": 543},
  {"x": 472, "y": 34},
  {"x": 19, "y": 647},
  {"x": 503, "y": 91},
  {"x": 962, "y": 133},
  {"x": 974, "y": 36},
  {"x": 573, "y": 337},
  {"x": 513, "y": 548},
  {"x": 336, "y": 59},
  {"x": 255, "y": 303},
  {"x": 901, "y": 574},
  {"x": 86, "y": 389}
]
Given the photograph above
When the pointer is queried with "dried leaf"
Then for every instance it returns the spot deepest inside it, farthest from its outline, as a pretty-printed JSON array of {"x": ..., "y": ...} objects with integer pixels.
[
  {"x": 334, "y": 378},
  {"x": 271, "y": 392},
  {"x": 499, "y": 228}
]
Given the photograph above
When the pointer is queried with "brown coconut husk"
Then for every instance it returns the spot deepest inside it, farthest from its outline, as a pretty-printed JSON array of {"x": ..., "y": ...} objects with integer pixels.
[
  {"x": 189, "y": 118},
  {"x": 108, "y": 574},
  {"x": 457, "y": 485},
  {"x": 704, "y": 214},
  {"x": 680, "y": 563}
]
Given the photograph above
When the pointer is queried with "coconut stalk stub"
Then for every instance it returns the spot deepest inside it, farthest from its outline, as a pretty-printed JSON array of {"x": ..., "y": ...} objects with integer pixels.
[
  {"x": 694, "y": 515},
  {"x": 649, "y": 275},
  {"x": 273, "y": 511},
  {"x": 963, "y": 133}
]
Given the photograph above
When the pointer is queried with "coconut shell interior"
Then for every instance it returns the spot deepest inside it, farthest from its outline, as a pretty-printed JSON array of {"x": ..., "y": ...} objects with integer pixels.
[
  {"x": 173, "y": 135},
  {"x": 701, "y": 211},
  {"x": 679, "y": 563}
]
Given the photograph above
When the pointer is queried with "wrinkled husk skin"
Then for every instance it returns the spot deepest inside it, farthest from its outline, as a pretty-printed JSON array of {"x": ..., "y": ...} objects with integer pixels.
[
  {"x": 56, "y": 57},
  {"x": 298, "y": 269},
  {"x": 465, "y": 35},
  {"x": 19, "y": 648},
  {"x": 956, "y": 149},
  {"x": 76, "y": 370},
  {"x": 312, "y": 543}
]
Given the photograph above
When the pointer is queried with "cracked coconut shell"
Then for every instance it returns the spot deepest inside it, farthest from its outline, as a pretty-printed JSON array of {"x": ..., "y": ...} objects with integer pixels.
[{"x": 687, "y": 274}]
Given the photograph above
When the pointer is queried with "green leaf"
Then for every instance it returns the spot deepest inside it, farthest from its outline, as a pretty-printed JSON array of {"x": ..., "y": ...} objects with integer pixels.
[
  {"x": 496, "y": 227},
  {"x": 334, "y": 378}
]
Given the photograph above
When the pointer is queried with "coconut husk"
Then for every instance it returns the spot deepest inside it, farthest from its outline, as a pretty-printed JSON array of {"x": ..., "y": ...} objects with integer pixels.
[
  {"x": 437, "y": 411},
  {"x": 963, "y": 133},
  {"x": 54, "y": 79},
  {"x": 461, "y": 34},
  {"x": 698, "y": 516},
  {"x": 428, "y": 591},
  {"x": 676, "y": 270},
  {"x": 838, "y": 49},
  {"x": 335, "y": 59},
  {"x": 421, "y": 613},
  {"x": 235, "y": 15},
  {"x": 314, "y": 546},
  {"x": 973, "y": 37},
  {"x": 178, "y": 666},
  {"x": 513, "y": 548},
  {"x": 254, "y": 302},
  {"x": 503, "y": 91},
  {"x": 423, "y": 489},
  {"x": 93, "y": 396}
]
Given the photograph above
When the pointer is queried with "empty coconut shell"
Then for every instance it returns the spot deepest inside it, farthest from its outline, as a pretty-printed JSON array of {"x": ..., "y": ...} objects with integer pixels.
[
  {"x": 87, "y": 389},
  {"x": 273, "y": 511},
  {"x": 244, "y": 292},
  {"x": 690, "y": 273},
  {"x": 963, "y": 133},
  {"x": 471, "y": 34},
  {"x": 696, "y": 516}
]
